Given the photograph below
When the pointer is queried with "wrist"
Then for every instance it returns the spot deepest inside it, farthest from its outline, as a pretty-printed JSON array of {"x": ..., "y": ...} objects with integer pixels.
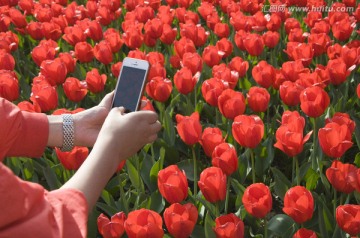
[{"x": 68, "y": 132}]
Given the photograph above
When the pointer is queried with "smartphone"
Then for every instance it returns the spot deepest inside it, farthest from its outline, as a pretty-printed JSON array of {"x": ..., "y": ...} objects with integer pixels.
[{"x": 130, "y": 85}]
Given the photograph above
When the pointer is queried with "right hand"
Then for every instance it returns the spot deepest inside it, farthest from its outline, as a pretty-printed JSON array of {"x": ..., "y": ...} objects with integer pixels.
[{"x": 126, "y": 134}]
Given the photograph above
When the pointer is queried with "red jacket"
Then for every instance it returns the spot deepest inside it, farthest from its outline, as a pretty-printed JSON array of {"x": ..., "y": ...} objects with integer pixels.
[{"x": 27, "y": 209}]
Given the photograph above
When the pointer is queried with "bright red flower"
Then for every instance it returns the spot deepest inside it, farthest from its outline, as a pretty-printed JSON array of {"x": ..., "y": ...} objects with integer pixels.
[
  {"x": 289, "y": 135},
  {"x": 335, "y": 139},
  {"x": 113, "y": 37},
  {"x": 212, "y": 56},
  {"x": 173, "y": 184},
  {"x": 293, "y": 69},
  {"x": 314, "y": 100},
  {"x": 342, "y": 119},
  {"x": 189, "y": 128},
  {"x": 94, "y": 31},
  {"x": 222, "y": 71},
  {"x": 245, "y": 127},
  {"x": 133, "y": 37},
  {"x": 304, "y": 233},
  {"x": 231, "y": 103},
  {"x": 296, "y": 35},
  {"x": 168, "y": 34},
  {"x": 9, "y": 85},
  {"x": 342, "y": 176},
  {"x": 300, "y": 51},
  {"x": 348, "y": 218},
  {"x": 211, "y": 90},
  {"x": 112, "y": 228},
  {"x": 54, "y": 71},
  {"x": 274, "y": 22},
  {"x": 224, "y": 157},
  {"x": 192, "y": 61},
  {"x": 184, "y": 45},
  {"x": 154, "y": 28},
  {"x": 291, "y": 23},
  {"x": 44, "y": 95},
  {"x": 222, "y": 30},
  {"x": 156, "y": 70},
  {"x": 290, "y": 93},
  {"x": 9, "y": 41},
  {"x": 180, "y": 219},
  {"x": 358, "y": 90},
  {"x": 144, "y": 223},
  {"x": 68, "y": 60},
  {"x": 154, "y": 57},
  {"x": 264, "y": 74},
  {"x": 94, "y": 81},
  {"x": 239, "y": 65},
  {"x": 7, "y": 61},
  {"x": 159, "y": 88},
  {"x": 74, "y": 89},
  {"x": 210, "y": 138},
  {"x": 271, "y": 39},
  {"x": 84, "y": 52},
  {"x": 257, "y": 200},
  {"x": 342, "y": 30},
  {"x": 28, "y": 106},
  {"x": 73, "y": 35},
  {"x": 338, "y": 71},
  {"x": 72, "y": 160},
  {"x": 258, "y": 99},
  {"x": 229, "y": 226},
  {"x": 254, "y": 44},
  {"x": 185, "y": 81},
  {"x": 103, "y": 53},
  {"x": 17, "y": 18},
  {"x": 299, "y": 204},
  {"x": 319, "y": 42},
  {"x": 224, "y": 45},
  {"x": 212, "y": 184}
]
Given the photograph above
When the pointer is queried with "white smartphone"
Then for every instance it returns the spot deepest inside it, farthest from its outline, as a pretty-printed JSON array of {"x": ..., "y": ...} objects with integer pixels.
[{"x": 130, "y": 85}]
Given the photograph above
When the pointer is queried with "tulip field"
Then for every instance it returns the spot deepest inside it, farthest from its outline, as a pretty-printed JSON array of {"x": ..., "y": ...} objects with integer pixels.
[{"x": 258, "y": 101}]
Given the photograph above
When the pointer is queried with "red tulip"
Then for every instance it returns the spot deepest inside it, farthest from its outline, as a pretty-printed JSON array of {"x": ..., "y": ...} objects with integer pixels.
[
  {"x": 212, "y": 56},
  {"x": 156, "y": 70},
  {"x": 299, "y": 204},
  {"x": 184, "y": 45},
  {"x": 133, "y": 37},
  {"x": 84, "y": 52},
  {"x": 319, "y": 42},
  {"x": 34, "y": 29},
  {"x": 54, "y": 71},
  {"x": 254, "y": 44},
  {"x": 222, "y": 71},
  {"x": 189, "y": 128},
  {"x": 257, "y": 200},
  {"x": 69, "y": 61},
  {"x": 342, "y": 119},
  {"x": 94, "y": 81},
  {"x": 342, "y": 176},
  {"x": 74, "y": 34},
  {"x": 115, "y": 69},
  {"x": 264, "y": 74},
  {"x": 222, "y": 30},
  {"x": 274, "y": 22},
  {"x": 72, "y": 160},
  {"x": 304, "y": 233},
  {"x": 239, "y": 65},
  {"x": 144, "y": 223},
  {"x": 112, "y": 228},
  {"x": 159, "y": 88},
  {"x": 245, "y": 127},
  {"x": 224, "y": 157},
  {"x": 271, "y": 39},
  {"x": 28, "y": 106},
  {"x": 290, "y": 93},
  {"x": 180, "y": 219},
  {"x": 229, "y": 226},
  {"x": 231, "y": 103},
  {"x": 358, "y": 90},
  {"x": 168, "y": 35},
  {"x": 210, "y": 138},
  {"x": 103, "y": 53},
  {"x": 338, "y": 71},
  {"x": 9, "y": 85},
  {"x": 348, "y": 218},
  {"x": 185, "y": 81},
  {"x": 211, "y": 90},
  {"x": 173, "y": 184},
  {"x": 226, "y": 46},
  {"x": 74, "y": 89},
  {"x": 44, "y": 95},
  {"x": 212, "y": 184},
  {"x": 342, "y": 30},
  {"x": 192, "y": 61},
  {"x": 335, "y": 139},
  {"x": 314, "y": 100},
  {"x": 258, "y": 99},
  {"x": 154, "y": 28},
  {"x": 154, "y": 57},
  {"x": 43, "y": 52},
  {"x": 300, "y": 51},
  {"x": 291, "y": 23},
  {"x": 112, "y": 36}
]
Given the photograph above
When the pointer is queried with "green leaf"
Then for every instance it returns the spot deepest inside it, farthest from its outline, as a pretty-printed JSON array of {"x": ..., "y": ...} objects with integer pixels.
[
  {"x": 209, "y": 224},
  {"x": 169, "y": 128},
  {"x": 357, "y": 160},
  {"x": 133, "y": 175},
  {"x": 188, "y": 167},
  {"x": 157, "y": 167},
  {"x": 157, "y": 202},
  {"x": 109, "y": 210},
  {"x": 51, "y": 178},
  {"x": 198, "y": 232},
  {"x": 282, "y": 225},
  {"x": 282, "y": 184},
  {"x": 311, "y": 178}
]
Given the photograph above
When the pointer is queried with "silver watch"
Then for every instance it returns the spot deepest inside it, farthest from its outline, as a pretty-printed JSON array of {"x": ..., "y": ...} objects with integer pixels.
[{"x": 68, "y": 132}]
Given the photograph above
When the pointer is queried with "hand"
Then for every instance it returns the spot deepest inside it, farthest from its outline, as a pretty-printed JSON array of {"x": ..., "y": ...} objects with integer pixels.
[
  {"x": 89, "y": 122},
  {"x": 125, "y": 134}
]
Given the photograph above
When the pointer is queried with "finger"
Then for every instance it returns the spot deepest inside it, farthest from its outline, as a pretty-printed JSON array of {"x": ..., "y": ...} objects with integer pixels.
[
  {"x": 143, "y": 104},
  {"x": 120, "y": 110},
  {"x": 106, "y": 101},
  {"x": 156, "y": 127},
  {"x": 152, "y": 138}
]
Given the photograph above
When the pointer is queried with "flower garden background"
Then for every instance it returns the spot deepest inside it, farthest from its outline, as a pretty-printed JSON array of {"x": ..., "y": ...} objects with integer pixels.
[{"x": 259, "y": 102}]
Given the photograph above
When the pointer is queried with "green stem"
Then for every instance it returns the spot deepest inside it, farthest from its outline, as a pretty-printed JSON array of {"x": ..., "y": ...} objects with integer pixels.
[
  {"x": 195, "y": 170},
  {"x": 335, "y": 201},
  {"x": 314, "y": 164},
  {"x": 297, "y": 170},
  {"x": 252, "y": 166},
  {"x": 217, "y": 209},
  {"x": 265, "y": 228},
  {"x": 122, "y": 196},
  {"x": 227, "y": 195}
]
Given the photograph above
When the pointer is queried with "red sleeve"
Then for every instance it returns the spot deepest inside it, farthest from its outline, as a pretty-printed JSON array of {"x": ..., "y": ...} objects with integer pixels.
[
  {"x": 28, "y": 210},
  {"x": 21, "y": 133}
]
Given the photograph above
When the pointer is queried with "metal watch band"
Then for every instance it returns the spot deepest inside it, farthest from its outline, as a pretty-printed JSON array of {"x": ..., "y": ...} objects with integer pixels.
[{"x": 68, "y": 132}]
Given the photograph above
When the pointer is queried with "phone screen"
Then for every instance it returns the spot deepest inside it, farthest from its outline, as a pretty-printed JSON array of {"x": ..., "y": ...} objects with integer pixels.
[{"x": 129, "y": 88}]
